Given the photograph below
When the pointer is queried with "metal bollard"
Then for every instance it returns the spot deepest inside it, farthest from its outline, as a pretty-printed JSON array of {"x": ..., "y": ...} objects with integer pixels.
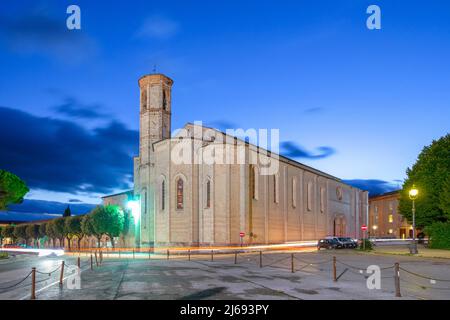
[
  {"x": 133, "y": 253},
  {"x": 260, "y": 259},
  {"x": 92, "y": 263},
  {"x": 79, "y": 262},
  {"x": 292, "y": 263},
  {"x": 61, "y": 276},
  {"x": 212, "y": 255},
  {"x": 119, "y": 254},
  {"x": 96, "y": 260},
  {"x": 33, "y": 283},
  {"x": 397, "y": 279},
  {"x": 189, "y": 255},
  {"x": 334, "y": 269},
  {"x": 167, "y": 254},
  {"x": 235, "y": 257}
]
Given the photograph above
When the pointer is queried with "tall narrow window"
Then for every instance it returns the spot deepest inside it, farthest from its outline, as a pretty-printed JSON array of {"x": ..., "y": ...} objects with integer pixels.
[
  {"x": 144, "y": 98},
  {"x": 254, "y": 182},
  {"x": 163, "y": 195},
  {"x": 322, "y": 200},
  {"x": 180, "y": 193},
  {"x": 208, "y": 194},
  {"x": 294, "y": 192},
  {"x": 309, "y": 195},
  {"x": 275, "y": 188},
  {"x": 164, "y": 100}
]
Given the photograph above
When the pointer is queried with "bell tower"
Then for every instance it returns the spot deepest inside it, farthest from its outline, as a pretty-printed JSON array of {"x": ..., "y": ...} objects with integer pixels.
[{"x": 155, "y": 106}]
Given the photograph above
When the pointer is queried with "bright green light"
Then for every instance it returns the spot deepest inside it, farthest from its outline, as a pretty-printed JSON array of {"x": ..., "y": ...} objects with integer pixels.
[{"x": 133, "y": 205}]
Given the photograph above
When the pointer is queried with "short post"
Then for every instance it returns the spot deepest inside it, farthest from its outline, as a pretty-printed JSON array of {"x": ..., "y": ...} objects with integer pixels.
[
  {"x": 33, "y": 283},
  {"x": 61, "y": 276},
  {"x": 133, "y": 253},
  {"x": 119, "y": 253},
  {"x": 96, "y": 260},
  {"x": 292, "y": 263},
  {"x": 101, "y": 257},
  {"x": 397, "y": 279},
  {"x": 334, "y": 269},
  {"x": 260, "y": 259},
  {"x": 212, "y": 255},
  {"x": 235, "y": 257},
  {"x": 168, "y": 254},
  {"x": 92, "y": 263},
  {"x": 79, "y": 262},
  {"x": 149, "y": 257},
  {"x": 189, "y": 254}
]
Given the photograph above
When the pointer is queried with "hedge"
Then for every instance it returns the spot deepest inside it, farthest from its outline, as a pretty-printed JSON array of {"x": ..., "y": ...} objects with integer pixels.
[{"x": 439, "y": 235}]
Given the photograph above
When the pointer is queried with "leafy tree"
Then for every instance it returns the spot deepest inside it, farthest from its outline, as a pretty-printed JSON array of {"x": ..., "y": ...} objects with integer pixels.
[
  {"x": 32, "y": 231},
  {"x": 43, "y": 231},
  {"x": 59, "y": 229},
  {"x": 50, "y": 231},
  {"x": 88, "y": 228},
  {"x": 67, "y": 212},
  {"x": 108, "y": 220},
  {"x": 8, "y": 232},
  {"x": 20, "y": 232},
  {"x": 431, "y": 175},
  {"x": 12, "y": 189},
  {"x": 73, "y": 229}
]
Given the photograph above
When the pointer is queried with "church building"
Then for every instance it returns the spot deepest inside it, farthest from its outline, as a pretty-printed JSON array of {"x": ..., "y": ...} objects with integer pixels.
[{"x": 204, "y": 187}]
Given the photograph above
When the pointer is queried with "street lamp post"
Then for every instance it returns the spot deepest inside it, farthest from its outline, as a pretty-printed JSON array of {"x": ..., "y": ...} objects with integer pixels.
[{"x": 413, "y": 193}]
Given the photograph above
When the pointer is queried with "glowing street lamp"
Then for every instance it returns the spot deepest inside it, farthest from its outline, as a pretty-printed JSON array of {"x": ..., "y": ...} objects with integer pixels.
[
  {"x": 413, "y": 194},
  {"x": 134, "y": 206}
]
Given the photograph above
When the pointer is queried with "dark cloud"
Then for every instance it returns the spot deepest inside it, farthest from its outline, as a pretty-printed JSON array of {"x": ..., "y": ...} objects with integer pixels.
[
  {"x": 291, "y": 150},
  {"x": 75, "y": 109},
  {"x": 60, "y": 155},
  {"x": 374, "y": 186},
  {"x": 74, "y": 200},
  {"x": 313, "y": 110},
  {"x": 37, "y": 33}
]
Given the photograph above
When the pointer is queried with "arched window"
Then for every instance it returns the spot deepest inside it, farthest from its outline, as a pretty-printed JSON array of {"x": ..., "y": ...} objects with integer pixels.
[
  {"x": 180, "y": 194},
  {"x": 164, "y": 102},
  {"x": 275, "y": 188},
  {"x": 163, "y": 195},
  {"x": 208, "y": 194},
  {"x": 309, "y": 195},
  {"x": 254, "y": 182},
  {"x": 322, "y": 199},
  {"x": 294, "y": 192}
]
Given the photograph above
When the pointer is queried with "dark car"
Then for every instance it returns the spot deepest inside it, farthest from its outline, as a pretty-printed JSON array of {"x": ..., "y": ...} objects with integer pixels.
[
  {"x": 348, "y": 243},
  {"x": 329, "y": 244}
]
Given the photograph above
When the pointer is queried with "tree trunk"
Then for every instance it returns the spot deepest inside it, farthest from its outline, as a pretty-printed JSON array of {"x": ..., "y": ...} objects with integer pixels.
[
  {"x": 69, "y": 241},
  {"x": 98, "y": 241},
  {"x": 112, "y": 240}
]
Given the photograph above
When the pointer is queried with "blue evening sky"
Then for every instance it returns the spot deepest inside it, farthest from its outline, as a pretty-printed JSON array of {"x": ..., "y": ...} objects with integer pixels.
[{"x": 373, "y": 98}]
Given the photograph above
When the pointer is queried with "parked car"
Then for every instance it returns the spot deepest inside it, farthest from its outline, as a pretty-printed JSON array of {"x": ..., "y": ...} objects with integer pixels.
[
  {"x": 348, "y": 243},
  {"x": 330, "y": 243}
]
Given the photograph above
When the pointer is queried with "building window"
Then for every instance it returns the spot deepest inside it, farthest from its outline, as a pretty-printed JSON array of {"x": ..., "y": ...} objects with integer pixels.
[
  {"x": 163, "y": 194},
  {"x": 275, "y": 188},
  {"x": 254, "y": 182},
  {"x": 322, "y": 200},
  {"x": 391, "y": 218},
  {"x": 144, "y": 98},
  {"x": 180, "y": 194},
  {"x": 391, "y": 231},
  {"x": 294, "y": 192},
  {"x": 309, "y": 195},
  {"x": 164, "y": 102},
  {"x": 208, "y": 194}
]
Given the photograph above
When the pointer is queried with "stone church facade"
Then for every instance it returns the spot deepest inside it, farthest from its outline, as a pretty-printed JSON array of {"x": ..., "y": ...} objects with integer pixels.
[{"x": 186, "y": 200}]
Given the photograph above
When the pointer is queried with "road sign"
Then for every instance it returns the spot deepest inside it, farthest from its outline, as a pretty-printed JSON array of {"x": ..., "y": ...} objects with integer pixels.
[
  {"x": 241, "y": 234},
  {"x": 364, "y": 227}
]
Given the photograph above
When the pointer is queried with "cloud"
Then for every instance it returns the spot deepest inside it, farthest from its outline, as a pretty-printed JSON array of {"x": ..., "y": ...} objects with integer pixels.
[
  {"x": 62, "y": 156},
  {"x": 158, "y": 27},
  {"x": 374, "y": 186},
  {"x": 291, "y": 150},
  {"x": 313, "y": 110},
  {"x": 75, "y": 201},
  {"x": 75, "y": 109},
  {"x": 44, "y": 35}
]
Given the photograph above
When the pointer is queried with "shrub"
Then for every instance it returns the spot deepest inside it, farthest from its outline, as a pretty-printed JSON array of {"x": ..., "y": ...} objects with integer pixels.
[
  {"x": 438, "y": 235},
  {"x": 3, "y": 255},
  {"x": 365, "y": 244}
]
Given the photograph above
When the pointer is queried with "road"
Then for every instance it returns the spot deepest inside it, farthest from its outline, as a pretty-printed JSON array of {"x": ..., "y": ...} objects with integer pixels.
[{"x": 201, "y": 278}]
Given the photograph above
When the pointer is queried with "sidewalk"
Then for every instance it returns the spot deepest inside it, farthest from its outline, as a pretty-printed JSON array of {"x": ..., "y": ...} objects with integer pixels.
[{"x": 404, "y": 251}]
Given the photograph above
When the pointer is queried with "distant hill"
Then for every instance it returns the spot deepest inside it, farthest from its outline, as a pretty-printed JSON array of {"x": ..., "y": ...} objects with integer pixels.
[{"x": 31, "y": 210}]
